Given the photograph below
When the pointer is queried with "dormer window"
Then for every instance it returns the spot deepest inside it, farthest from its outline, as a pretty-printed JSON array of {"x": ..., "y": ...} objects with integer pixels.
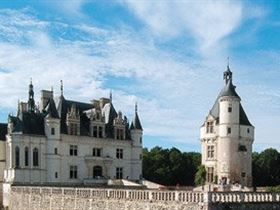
[
  {"x": 73, "y": 129},
  {"x": 73, "y": 121},
  {"x": 97, "y": 116},
  {"x": 97, "y": 131},
  {"x": 120, "y": 133},
  {"x": 209, "y": 127}
]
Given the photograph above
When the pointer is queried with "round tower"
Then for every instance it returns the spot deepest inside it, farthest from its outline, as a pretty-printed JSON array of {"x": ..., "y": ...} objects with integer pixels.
[
  {"x": 136, "y": 132},
  {"x": 52, "y": 132}
]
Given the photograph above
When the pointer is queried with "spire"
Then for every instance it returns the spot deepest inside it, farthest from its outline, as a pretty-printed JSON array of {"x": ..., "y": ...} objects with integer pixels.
[
  {"x": 136, "y": 124},
  {"x": 135, "y": 107},
  {"x": 61, "y": 87},
  {"x": 111, "y": 96},
  {"x": 227, "y": 73},
  {"x": 31, "y": 102}
]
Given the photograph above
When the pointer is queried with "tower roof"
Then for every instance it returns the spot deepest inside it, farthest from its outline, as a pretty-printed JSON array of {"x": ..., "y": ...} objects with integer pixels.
[
  {"x": 136, "y": 124},
  {"x": 229, "y": 90}
]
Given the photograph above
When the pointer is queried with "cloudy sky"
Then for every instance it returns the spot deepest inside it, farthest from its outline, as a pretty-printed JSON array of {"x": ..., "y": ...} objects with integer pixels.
[{"x": 169, "y": 56}]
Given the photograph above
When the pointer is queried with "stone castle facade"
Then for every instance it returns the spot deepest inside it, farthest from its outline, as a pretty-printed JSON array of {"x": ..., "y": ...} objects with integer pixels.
[
  {"x": 67, "y": 142},
  {"x": 226, "y": 138}
]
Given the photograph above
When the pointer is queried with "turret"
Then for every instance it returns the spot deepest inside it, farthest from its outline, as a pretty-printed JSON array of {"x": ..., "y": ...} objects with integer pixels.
[
  {"x": 136, "y": 131},
  {"x": 136, "y": 128},
  {"x": 229, "y": 104},
  {"x": 52, "y": 132}
]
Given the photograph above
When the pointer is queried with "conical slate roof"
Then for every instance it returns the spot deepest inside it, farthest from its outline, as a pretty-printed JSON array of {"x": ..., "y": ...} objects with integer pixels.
[
  {"x": 136, "y": 124},
  {"x": 229, "y": 90}
]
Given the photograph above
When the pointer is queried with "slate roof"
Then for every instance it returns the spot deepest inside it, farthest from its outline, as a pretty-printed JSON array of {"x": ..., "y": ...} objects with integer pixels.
[
  {"x": 229, "y": 90},
  {"x": 33, "y": 122},
  {"x": 3, "y": 131},
  {"x": 136, "y": 124},
  {"x": 51, "y": 110}
]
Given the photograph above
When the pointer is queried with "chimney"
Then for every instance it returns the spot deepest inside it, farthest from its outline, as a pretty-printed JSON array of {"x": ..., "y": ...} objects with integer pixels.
[{"x": 45, "y": 96}]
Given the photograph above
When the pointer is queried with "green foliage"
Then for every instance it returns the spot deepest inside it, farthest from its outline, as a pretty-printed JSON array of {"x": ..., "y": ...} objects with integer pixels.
[
  {"x": 170, "y": 166},
  {"x": 266, "y": 168},
  {"x": 200, "y": 176},
  {"x": 275, "y": 189}
]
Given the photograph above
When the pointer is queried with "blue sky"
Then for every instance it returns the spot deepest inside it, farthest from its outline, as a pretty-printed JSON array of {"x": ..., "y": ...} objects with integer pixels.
[{"x": 168, "y": 56}]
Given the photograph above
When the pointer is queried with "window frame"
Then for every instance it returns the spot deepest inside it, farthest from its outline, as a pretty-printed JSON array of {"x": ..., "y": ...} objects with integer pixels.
[
  {"x": 119, "y": 172},
  {"x": 35, "y": 155},
  {"x": 26, "y": 156},
  {"x": 119, "y": 153}
]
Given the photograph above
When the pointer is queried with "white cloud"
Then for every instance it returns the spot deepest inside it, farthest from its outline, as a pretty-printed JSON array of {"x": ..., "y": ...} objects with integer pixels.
[{"x": 209, "y": 22}]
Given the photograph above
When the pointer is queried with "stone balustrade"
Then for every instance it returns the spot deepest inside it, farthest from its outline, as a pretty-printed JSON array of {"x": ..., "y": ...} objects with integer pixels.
[
  {"x": 65, "y": 198},
  {"x": 153, "y": 195}
]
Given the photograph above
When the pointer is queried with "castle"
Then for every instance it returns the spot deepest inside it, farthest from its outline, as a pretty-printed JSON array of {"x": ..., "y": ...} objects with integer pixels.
[
  {"x": 226, "y": 138},
  {"x": 64, "y": 142}
]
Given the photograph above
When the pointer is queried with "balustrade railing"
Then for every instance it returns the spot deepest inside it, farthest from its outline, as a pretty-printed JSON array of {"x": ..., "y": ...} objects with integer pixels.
[{"x": 151, "y": 195}]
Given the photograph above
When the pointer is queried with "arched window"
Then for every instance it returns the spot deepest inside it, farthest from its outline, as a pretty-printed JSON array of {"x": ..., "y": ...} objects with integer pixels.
[
  {"x": 17, "y": 154},
  {"x": 35, "y": 157},
  {"x": 97, "y": 171},
  {"x": 26, "y": 156}
]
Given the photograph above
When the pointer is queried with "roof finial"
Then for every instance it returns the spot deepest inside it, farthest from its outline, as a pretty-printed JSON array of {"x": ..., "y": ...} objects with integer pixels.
[
  {"x": 228, "y": 62},
  {"x": 227, "y": 73},
  {"x": 111, "y": 96},
  {"x": 136, "y": 107},
  {"x": 61, "y": 87}
]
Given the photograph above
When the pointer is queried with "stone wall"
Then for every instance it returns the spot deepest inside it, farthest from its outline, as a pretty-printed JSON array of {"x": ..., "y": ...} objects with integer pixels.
[{"x": 51, "y": 198}]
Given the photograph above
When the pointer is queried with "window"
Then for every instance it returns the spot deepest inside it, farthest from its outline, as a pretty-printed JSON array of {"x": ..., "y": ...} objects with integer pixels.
[
  {"x": 230, "y": 109},
  {"x": 120, "y": 134},
  {"x": 228, "y": 130},
  {"x": 56, "y": 175},
  {"x": 97, "y": 115},
  {"x": 119, "y": 173},
  {"x": 73, "y": 129},
  {"x": 17, "y": 154},
  {"x": 140, "y": 140},
  {"x": 73, "y": 172},
  {"x": 53, "y": 131},
  {"x": 243, "y": 174},
  {"x": 97, "y": 171},
  {"x": 119, "y": 153},
  {"x": 26, "y": 156},
  {"x": 94, "y": 131},
  {"x": 248, "y": 130},
  {"x": 55, "y": 151},
  {"x": 35, "y": 157},
  {"x": 209, "y": 127},
  {"x": 140, "y": 156},
  {"x": 96, "y": 152},
  {"x": 73, "y": 150},
  {"x": 100, "y": 132},
  {"x": 210, "y": 151},
  {"x": 210, "y": 174}
]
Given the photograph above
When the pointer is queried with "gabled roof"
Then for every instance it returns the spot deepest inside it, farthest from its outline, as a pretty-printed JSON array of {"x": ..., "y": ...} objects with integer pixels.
[{"x": 3, "y": 131}]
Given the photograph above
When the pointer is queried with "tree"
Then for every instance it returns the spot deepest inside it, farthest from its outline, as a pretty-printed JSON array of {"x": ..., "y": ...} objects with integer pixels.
[
  {"x": 200, "y": 176},
  {"x": 266, "y": 168}
]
